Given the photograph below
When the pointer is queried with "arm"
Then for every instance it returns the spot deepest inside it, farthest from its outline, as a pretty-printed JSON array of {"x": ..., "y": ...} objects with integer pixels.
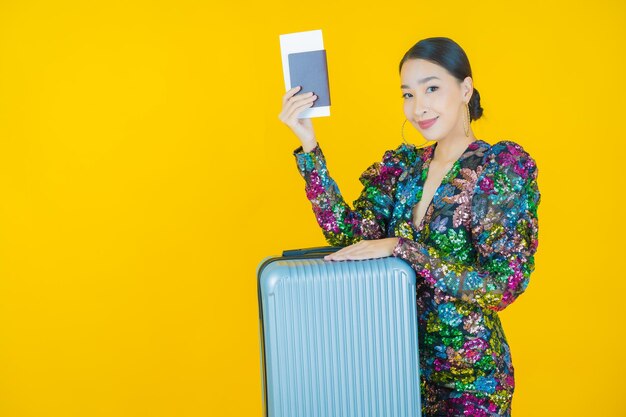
[
  {"x": 342, "y": 225},
  {"x": 504, "y": 231}
]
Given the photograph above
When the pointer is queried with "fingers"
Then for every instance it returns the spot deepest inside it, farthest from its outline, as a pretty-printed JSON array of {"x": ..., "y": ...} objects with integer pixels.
[
  {"x": 292, "y": 105},
  {"x": 359, "y": 250},
  {"x": 290, "y": 93},
  {"x": 290, "y": 96},
  {"x": 296, "y": 106},
  {"x": 358, "y": 255}
]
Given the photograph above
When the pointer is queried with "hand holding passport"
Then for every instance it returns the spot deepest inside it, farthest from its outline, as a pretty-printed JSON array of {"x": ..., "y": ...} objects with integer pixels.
[
  {"x": 305, "y": 65},
  {"x": 302, "y": 127}
]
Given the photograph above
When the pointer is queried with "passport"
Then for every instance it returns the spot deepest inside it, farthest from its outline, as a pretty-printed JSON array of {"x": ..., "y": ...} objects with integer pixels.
[{"x": 310, "y": 70}]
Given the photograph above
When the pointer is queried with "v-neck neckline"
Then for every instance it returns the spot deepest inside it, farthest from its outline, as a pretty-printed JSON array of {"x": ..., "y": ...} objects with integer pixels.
[{"x": 427, "y": 158}]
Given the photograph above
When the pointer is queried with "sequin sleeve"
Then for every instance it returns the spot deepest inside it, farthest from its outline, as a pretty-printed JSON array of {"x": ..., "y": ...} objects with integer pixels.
[
  {"x": 341, "y": 224},
  {"x": 504, "y": 230}
]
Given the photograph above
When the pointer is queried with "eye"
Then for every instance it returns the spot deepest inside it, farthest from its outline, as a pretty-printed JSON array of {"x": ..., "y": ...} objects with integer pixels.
[
  {"x": 432, "y": 86},
  {"x": 403, "y": 95}
]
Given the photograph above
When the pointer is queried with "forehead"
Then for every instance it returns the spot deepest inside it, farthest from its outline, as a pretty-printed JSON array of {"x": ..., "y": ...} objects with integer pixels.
[{"x": 418, "y": 69}]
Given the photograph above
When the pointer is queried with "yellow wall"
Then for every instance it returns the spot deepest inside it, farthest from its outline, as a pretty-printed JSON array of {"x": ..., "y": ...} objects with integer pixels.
[{"x": 144, "y": 174}]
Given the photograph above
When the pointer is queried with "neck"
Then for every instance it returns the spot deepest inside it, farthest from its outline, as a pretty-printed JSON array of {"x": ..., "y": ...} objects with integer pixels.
[{"x": 450, "y": 149}]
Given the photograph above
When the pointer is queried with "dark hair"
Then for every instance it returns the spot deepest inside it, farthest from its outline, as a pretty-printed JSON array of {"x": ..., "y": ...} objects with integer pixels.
[{"x": 448, "y": 54}]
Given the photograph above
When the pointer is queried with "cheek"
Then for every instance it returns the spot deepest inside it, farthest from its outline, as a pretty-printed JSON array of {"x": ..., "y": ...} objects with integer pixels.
[
  {"x": 406, "y": 108},
  {"x": 449, "y": 104},
  {"x": 441, "y": 105}
]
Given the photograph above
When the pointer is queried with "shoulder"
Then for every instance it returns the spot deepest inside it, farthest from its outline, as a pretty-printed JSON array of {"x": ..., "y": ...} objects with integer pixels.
[
  {"x": 404, "y": 154},
  {"x": 507, "y": 157},
  {"x": 507, "y": 170},
  {"x": 394, "y": 162}
]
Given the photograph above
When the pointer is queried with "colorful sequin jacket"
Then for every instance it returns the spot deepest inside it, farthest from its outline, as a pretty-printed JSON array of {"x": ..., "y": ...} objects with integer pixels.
[{"x": 473, "y": 252}]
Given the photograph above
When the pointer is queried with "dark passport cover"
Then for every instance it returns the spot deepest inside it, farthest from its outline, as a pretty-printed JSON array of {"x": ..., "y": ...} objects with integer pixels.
[{"x": 310, "y": 70}]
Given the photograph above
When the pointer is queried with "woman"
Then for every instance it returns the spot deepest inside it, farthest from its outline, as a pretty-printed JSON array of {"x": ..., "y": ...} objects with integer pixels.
[{"x": 462, "y": 212}]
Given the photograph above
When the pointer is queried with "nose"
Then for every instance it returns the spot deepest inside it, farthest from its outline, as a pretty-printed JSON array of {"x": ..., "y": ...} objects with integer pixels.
[{"x": 419, "y": 107}]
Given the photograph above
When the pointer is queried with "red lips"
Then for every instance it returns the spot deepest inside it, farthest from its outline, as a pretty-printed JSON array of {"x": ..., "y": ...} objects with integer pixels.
[{"x": 425, "y": 124}]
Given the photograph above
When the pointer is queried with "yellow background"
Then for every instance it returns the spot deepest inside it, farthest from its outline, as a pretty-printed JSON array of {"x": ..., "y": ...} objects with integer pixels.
[{"x": 144, "y": 174}]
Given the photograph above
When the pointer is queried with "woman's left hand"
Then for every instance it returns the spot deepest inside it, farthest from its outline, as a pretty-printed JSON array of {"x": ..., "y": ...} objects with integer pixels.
[{"x": 365, "y": 249}]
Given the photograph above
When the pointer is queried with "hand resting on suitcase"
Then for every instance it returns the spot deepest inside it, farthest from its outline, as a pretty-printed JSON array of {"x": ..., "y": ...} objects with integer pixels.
[{"x": 365, "y": 249}]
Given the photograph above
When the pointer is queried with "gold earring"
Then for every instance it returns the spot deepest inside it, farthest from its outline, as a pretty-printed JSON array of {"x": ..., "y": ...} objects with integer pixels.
[
  {"x": 406, "y": 120},
  {"x": 468, "y": 120}
]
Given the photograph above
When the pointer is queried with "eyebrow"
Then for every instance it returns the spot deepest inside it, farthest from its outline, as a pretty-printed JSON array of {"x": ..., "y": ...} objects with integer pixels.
[{"x": 422, "y": 81}]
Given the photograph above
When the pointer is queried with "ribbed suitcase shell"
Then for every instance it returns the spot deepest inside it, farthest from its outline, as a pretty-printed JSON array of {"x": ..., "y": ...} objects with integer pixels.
[{"x": 338, "y": 338}]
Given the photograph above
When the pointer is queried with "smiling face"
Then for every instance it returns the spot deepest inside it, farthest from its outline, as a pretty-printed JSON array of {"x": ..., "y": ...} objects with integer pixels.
[{"x": 429, "y": 91}]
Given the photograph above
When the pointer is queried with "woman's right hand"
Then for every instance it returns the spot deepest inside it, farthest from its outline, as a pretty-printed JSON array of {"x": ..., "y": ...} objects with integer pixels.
[{"x": 292, "y": 106}]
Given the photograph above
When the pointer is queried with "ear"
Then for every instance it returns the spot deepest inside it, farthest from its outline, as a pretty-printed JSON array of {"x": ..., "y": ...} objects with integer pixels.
[{"x": 467, "y": 88}]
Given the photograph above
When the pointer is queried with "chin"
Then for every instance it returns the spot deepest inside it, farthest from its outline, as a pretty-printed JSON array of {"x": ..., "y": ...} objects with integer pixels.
[{"x": 430, "y": 135}]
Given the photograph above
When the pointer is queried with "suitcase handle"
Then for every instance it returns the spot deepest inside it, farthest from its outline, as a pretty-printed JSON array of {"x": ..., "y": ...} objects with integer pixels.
[{"x": 313, "y": 250}]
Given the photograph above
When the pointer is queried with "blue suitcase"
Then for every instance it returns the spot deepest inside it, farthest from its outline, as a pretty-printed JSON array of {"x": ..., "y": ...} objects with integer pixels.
[{"x": 338, "y": 338}]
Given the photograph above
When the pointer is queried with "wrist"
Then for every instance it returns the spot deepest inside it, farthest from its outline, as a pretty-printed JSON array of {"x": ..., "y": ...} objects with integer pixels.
[
  {"x": 393, "y": 243},
  {"x": 308, "y": 146},
  {"x": 397, "y": 241}
]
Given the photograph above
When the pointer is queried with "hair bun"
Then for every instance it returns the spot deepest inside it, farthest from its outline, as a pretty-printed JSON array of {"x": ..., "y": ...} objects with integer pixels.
[{"x": 474, "y": 106}]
